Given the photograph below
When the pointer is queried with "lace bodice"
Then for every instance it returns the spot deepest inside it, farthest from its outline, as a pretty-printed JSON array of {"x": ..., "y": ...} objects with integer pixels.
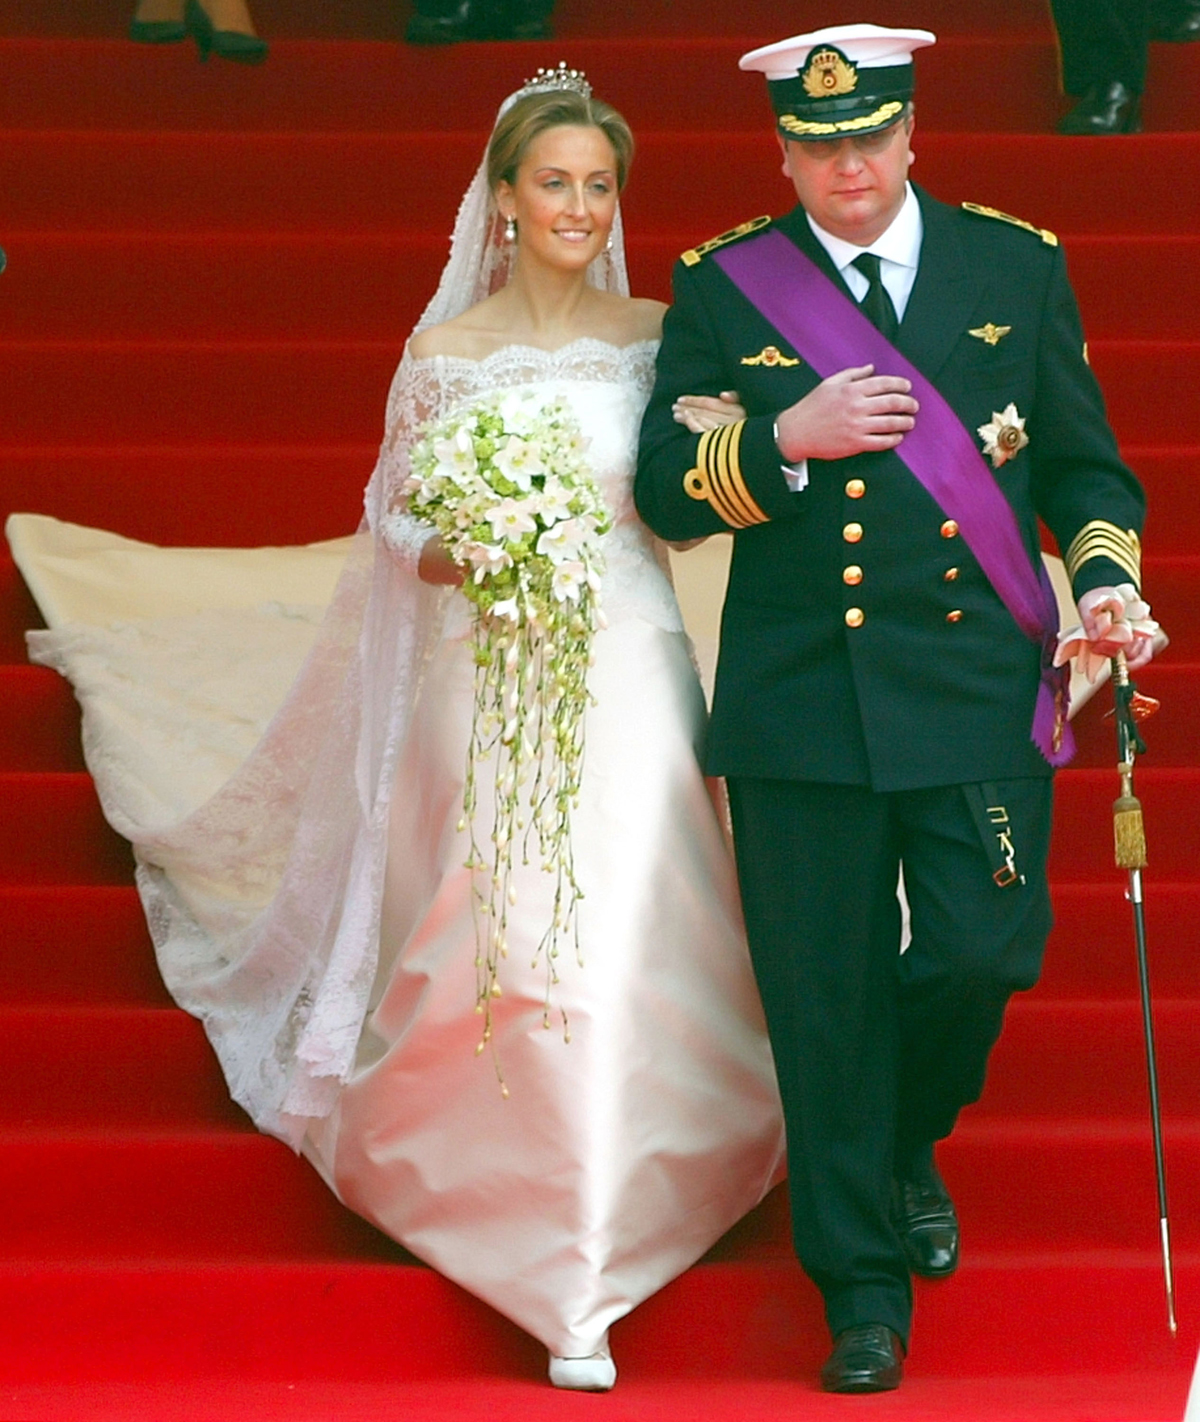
[{"x": 607, "y": 387}]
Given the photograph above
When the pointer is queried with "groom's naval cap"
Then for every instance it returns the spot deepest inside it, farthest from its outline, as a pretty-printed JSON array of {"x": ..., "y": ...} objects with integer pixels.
[{"x": 843, "y": 80}]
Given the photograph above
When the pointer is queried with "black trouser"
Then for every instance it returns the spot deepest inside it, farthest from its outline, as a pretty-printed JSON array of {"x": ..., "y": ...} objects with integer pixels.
[
  {"x": 877, "y": 1051},
  {"x": 1102, "y": 40}
]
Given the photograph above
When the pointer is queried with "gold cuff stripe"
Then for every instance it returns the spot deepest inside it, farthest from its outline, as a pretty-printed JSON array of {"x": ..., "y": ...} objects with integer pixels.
[
  {"x": 806, "y": 128},
  {"x": 718, "y": 480},
  {"x": 723, "y": 454},
  {"x": 727, "y": 449},
  {"x": 1099, "y": 539}
]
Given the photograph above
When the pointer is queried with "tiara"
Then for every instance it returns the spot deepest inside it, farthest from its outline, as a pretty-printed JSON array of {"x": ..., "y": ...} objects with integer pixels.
[{"x": 547, "y": 80}]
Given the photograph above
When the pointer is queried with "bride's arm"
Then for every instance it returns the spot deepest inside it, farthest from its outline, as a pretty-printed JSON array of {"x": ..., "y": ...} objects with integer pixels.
[{"x": 415, "y": 398}]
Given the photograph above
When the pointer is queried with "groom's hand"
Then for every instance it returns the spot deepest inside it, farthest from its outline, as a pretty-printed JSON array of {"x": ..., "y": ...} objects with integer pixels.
[{"x": 852, "y": 412}]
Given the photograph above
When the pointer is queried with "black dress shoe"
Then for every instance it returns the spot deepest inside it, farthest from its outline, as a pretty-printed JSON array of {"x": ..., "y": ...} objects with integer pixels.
[
  {"x": 1105, "y": 108},
  {"x": 1176, "y": 23},
  {"x": 924, "y": 1217},
  {"x": 865, "y": 1358}
]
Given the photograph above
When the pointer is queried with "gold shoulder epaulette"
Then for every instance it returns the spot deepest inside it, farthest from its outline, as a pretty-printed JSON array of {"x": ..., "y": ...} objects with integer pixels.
[
  {"x": 693, "y": 255},
  {"x": 1050, "y": 238}
]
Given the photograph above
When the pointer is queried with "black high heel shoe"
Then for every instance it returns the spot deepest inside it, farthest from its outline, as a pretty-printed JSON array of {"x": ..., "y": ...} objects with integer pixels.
[{"x": 225, "y": 44}]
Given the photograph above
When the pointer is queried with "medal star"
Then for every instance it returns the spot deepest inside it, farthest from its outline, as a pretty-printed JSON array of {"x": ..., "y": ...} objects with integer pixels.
[
  {"x": 1005, "y": 437},
  {"x": 990, "y": 333}
]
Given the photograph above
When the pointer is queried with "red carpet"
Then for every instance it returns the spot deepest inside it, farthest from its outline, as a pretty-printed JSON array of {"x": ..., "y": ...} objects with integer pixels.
[{"x": 211, "y": 272}]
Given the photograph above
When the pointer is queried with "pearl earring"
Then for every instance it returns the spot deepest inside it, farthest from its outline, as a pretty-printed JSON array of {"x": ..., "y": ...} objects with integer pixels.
[{"x": 510, "y": 230}]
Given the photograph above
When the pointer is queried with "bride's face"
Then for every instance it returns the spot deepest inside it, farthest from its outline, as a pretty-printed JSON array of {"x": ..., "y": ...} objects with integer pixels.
[{"x": 564, "y": 199}]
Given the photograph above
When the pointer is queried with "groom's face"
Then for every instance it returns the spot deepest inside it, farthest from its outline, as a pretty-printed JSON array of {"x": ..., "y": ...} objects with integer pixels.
[{"x": 852, "y": 187}]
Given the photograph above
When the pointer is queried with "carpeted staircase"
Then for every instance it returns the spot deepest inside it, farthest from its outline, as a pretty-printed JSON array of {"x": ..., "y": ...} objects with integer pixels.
[{"x": 211, "y": 271}]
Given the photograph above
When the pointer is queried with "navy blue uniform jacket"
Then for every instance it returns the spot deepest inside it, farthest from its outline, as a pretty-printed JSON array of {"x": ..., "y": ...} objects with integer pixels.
[{"x": 936, "y": 684}]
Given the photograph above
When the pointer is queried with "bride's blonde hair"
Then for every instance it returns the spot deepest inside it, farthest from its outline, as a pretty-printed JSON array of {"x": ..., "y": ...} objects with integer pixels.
[{"x": 535, "y": 113}]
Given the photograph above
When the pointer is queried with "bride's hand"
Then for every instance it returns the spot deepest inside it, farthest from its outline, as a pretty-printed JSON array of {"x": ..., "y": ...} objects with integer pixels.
[
  {"x": 436, "y": 565},
  {"x": 708, "y": 412}
]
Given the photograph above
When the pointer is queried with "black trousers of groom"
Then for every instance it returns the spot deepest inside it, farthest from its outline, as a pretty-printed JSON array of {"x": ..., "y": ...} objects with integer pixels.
[{"x": 877, "y": 1051}]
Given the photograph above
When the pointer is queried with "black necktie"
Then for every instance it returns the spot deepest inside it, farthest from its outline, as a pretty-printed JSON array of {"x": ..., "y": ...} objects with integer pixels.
[{"x": 877, "y": 304}]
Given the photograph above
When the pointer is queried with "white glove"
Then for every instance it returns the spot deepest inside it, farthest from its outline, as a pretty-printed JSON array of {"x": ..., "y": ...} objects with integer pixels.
[{"x": 1112, "y": 620}]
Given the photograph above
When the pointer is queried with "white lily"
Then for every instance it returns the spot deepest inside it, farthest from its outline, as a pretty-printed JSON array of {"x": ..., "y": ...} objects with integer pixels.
[
  {"x": 510, "y": 518},
  {"x": 519, "y": 460},
  {"x": 456, "y": 455},
  {"x": 568, "y": 580},
  {"x": 554, "y": 502},
  {"x": 509, "y": 608},
  {"x": 487, "y": 558},
  {"x": 562, "y": 541}
]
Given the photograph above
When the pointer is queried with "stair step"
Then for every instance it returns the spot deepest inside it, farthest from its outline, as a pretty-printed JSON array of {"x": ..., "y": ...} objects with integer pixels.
[
  {"x": 216, "y": 1192},
  {"x": 111, "y": 1068},
  {"x": 1083, "y": 846},
  {"x": 52, "y": 832},
  {"x": 275, "y": 392},
  {"x": 77, "y": 945},
  {"x": 517, "y": 1392},
  {"x": 1086, "y": 1060},
  {"x": 153, "y": 493},
  {"x": 127, "y": 1068},
  {"x": 1081, "y": 1185},
  {"x": 370, "y": 182},
  {"x": 304, "y": 1323},
  {"x": 88, "y": 944},
  {"x": 1172, "y": 584},
  {"x": 334, "y": 392},
  {"x": 301, "y": 286},
  {"x": 1091, "y": 948},
  {"x": 1172, "y": 736},
  {"x": 378, "y": 19},
  {"x": 18, "y": 610},
  {"x": 39, "y": 721}
]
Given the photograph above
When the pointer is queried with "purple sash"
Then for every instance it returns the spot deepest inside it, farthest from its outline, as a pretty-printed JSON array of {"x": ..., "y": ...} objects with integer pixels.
[{"x": 829, "y": 331}]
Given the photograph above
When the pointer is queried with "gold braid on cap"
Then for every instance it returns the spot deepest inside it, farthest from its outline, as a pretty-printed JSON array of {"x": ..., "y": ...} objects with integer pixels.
[
  {"x": 806, "y": 128},
  {"x": 1105, "y": 540},
  {"x": 547, "y": 81},
  {"x": 717, "y": 478}
]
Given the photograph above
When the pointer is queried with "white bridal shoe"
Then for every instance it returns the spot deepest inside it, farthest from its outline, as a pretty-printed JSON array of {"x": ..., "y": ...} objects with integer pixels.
[{"x": 594, "y": 1374}]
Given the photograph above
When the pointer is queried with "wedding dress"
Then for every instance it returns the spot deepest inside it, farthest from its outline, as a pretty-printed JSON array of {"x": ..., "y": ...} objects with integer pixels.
[
  {"x": 620, "y": 1155},
  {"x": 290, "y": 776},
  {"x": 314, "y": 909}
]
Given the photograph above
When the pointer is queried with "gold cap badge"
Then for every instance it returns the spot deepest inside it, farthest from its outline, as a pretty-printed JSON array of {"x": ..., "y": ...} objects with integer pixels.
[{"x": 829, "y": 73}]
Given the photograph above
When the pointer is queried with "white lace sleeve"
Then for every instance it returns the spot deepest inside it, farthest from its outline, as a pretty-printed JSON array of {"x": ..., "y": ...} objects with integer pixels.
[{"x": 415, "y": 397}]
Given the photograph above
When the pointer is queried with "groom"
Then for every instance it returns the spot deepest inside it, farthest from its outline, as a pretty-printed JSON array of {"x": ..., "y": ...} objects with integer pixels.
[{"x": 917, "y": 396}]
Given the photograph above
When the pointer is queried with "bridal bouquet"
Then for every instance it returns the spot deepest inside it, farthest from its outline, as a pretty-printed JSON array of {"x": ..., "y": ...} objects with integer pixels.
[{"x": 505, "y": 482}]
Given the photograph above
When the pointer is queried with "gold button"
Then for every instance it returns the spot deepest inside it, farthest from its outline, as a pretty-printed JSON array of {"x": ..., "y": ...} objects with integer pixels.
[
  {"x": 852, "y": 532},
  {"x": 949, "y": 529},
  {"x": 852, "y": 575},
  {"x": 955, "y": 616},
  {"x": 855, "y": 617},
  {"x": 855, "y": 488},
  {"x": 950, "y": 575}
]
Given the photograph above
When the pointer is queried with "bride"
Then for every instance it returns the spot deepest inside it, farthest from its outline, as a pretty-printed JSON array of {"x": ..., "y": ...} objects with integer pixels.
[{"x": 317, "y": 912}]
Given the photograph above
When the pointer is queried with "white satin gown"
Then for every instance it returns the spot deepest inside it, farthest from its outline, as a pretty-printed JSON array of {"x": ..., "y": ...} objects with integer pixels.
[{"x": 618, "y": 1157}]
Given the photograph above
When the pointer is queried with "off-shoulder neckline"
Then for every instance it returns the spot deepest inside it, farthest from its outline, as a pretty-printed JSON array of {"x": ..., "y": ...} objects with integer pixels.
[{"x": 541, "y": 351}]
